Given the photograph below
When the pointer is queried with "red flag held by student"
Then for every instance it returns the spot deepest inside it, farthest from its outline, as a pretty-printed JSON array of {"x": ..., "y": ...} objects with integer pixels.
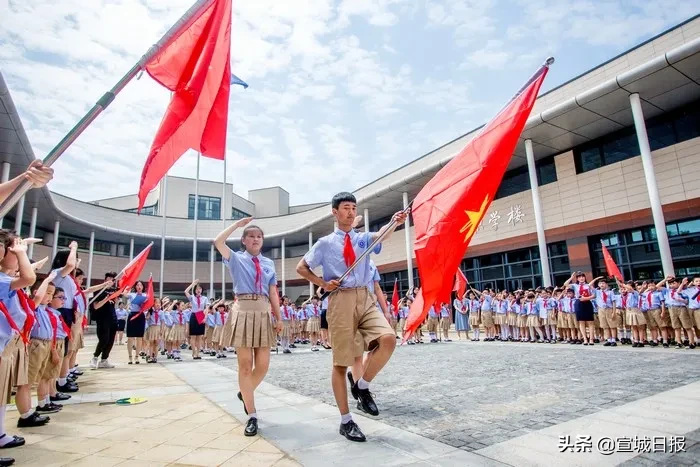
[
  {"x": 132, "y": 271},
  {"x": 449, "y": 208},
  {"x": 395, "y": 297},
  {"x": 460, "y": 283},
  {"x": 150, "y": 299},
  {"x": 196, "y": 67},
  {"x": 613, "y": 270}
]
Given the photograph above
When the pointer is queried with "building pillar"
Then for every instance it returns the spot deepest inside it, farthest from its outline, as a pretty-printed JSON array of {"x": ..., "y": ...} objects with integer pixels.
[
  {"x": 539, "y": 221},
  {"x": 56, "y": 229},
  {"x": 4, "y": 177},
  {"x": 32, "y": 229},
  {"x": 366, "y": 220},
  {"x": 409, "y": 245},
  {"x": 211, "y": 270},
  {"x": 284, "y": 274},
  {"x": 19, "y": 216},
  {"x": 311, "y": 244},
  {"x": 131, "y": 249},
  {"x": 91, "y": 250},
  {"x": 657, "y": 211}
]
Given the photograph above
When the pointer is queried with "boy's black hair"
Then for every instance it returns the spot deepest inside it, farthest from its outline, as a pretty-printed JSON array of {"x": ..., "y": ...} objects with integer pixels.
[
  {"x": 79, "y": 272},
  {"x": 110, "y": 275},
  {"x": 58, "y": 289},
  {"x": 342, "y": 197},
  {"x": 60, "y": 260}
]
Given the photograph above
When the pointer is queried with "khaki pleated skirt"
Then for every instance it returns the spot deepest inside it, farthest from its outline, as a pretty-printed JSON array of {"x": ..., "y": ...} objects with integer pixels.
[
  {"x": 533, "y": 320},
  {"x": 552, "y": 317},
  {"x": 153, "y": 333},
  {"x": 635, "y": 317},
  {"x": 226, "y": 339},
  {"x": 7, "y": 362},
  {"x": 251, "y": 324},
  {"x": 522, "y": 321},
  {"x": 512, "y": 319},
  {"x": 500, "y": 319},
  {"x": 474, "y": 319},
  {"x": 176, "y": 333},
  {"x": 21, "y": 366},
  {"x": 216, "y": 335},
  {"x": 288, "y": 329},
  {"x": 76, "y": 337},
  {"x": 402, "y": 324},
  {"x": 314, "y": 324}
]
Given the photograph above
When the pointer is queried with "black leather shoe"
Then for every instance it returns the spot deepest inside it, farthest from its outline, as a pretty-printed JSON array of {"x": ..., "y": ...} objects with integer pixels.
[
  {"x": 353, "y": 388},
  {"x": 251, "y": 428},
  {"x": 60, "y": 397},
  {"x": 352, "y": 432},
  {"x": 6, "y": 461},
  {"x": 78, "y": 373},
  {"x": 48, "y": 408},
  {"x": 68, "y": 387},
  {"x": 240, "y": 398},
  {"x": 33, "y": 420},
  {"x": 365, "y": 402},
  {"x": 16, "y": 442}
]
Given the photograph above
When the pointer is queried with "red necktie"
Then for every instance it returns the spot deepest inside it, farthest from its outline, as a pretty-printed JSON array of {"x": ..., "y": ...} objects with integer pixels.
[
  {"x": 258, "y": 274},
  {"x": 649, "y": 299},
  {"x": 11, "y": 321},
  {"x": 348, "y": 251},
  {"x": 28, "y": 308}
]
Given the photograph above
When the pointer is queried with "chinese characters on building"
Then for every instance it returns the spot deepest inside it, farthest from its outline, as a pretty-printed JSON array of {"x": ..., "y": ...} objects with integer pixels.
[{"x": 514, "y": 216}]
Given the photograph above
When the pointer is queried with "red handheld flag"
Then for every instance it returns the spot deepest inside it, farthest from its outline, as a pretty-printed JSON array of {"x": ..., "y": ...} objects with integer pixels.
[
  {"x": 150, "y": 299},
  {"x": 195, "y": 66},
  {"x": 131, "y": 272},
  {"x": 460, "y": 283},
  {"x": 395, "y": 297},
  {"x": 449, "y": 208},
  {"x": 613, "y": 270}
]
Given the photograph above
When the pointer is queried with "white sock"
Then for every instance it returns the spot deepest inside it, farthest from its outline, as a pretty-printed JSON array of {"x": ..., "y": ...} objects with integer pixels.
[
  {"x": 476, "y": 333},
  {"x": 253, "y": 415},
  {"x": 362, "y": 384},
  {"x": 62, "y": 381},
  {"x": 4, "y": 438},
  {"x": 44, "y": 402},
  {"x": 546, "y": 331},
  {"x": 346, "y": 418},
  {"x": 27, "y": 414}
]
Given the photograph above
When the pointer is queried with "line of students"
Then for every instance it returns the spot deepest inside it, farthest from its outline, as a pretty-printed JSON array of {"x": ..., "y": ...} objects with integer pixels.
[{"x": 579, "y": 312}]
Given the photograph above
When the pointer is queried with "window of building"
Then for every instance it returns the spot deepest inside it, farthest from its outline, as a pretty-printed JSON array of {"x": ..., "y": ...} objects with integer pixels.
[
  {"x": 663, "y": 131},
  {"x": 238, "y": 214},
  {"x": 147, "y": 210},
  {"x": 636, "y": 251},
  {"x": 209, "y": 207},
  {"x": 84, "y": 244},
  {"x": 518, "y": 180}
]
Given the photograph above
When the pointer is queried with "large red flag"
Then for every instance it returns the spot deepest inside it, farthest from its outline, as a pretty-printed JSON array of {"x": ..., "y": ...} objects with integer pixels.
[
  {"x": 460, "y": 283},
  {"x": 131, "y": 272},
  {"x": 449, "y": 208},
  {"x": 613, "y": 270},
  {"x": 395, "y": 297},
  {"x": 196, "y": 67}
]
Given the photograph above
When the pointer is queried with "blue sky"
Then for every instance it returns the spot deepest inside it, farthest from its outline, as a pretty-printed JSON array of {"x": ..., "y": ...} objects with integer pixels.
[{"x": 341, "y": 92}]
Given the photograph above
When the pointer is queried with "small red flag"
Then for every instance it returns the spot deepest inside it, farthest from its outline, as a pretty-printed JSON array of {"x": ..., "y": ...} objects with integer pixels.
[
  {"x": 131, "y": 273},
  {"x": 449, "y": 208},
  {"x": 613, "y": 270},
  {"x": 395, "y": 297},
  {"x": 460, "y": 283},
  {"x": 196, "y": 67},
  {"x": 150, "y": 299}
]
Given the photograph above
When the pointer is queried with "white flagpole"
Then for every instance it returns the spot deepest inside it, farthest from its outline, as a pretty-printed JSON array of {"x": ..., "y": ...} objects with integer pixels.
[
  {"x": 196, "y": 209},
  {"x": 223, "y": 221},
  {"x": 164, "y": 203}
]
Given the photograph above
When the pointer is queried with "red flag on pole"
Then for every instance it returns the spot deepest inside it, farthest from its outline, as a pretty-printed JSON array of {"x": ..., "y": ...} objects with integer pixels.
[
  {"x": 395, "y": 297},
  {"x": 131, "y": 272},
  {"x": 150, "y": 299},
  {"x": 613, "y": 270},
  {"x": 196, "y": 67},
  {"x": 449, "y": 208},
  {"x": 460, "y": 283}
]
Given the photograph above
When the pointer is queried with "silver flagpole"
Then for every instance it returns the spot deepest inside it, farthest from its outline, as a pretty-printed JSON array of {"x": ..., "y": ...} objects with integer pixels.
[
  {"x": 223, "y": 221},
  {"x": 164, "y": 204},
  {"x": 196, "y": 210}
]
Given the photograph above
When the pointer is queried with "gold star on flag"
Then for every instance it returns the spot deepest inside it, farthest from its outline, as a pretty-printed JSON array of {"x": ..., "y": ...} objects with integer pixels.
[{"x": 474, "y": 219}]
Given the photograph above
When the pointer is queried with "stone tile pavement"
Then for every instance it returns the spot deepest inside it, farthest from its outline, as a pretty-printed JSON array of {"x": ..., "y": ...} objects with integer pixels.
[{"x": 177, "y": 426}]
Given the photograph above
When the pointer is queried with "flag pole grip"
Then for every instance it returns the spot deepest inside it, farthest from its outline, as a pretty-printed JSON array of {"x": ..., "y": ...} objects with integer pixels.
[
  {"x": 369, "y": 249},
  {"x": 190, "y": 16}
]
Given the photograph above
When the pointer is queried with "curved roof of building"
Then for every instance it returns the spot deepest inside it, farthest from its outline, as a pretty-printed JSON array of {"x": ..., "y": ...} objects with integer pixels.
[{"x": 591, "y": 105}]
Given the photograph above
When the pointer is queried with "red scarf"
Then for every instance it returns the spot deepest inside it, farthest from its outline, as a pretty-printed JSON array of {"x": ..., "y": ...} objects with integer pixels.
[
  {"x": 54, "y": 326},
  {"x": 673, "y": 294},
  {"x": 348, "y": 251},
  {"x": 258, "y": 274},
  {"x": 624, "y": 301},
  {"x": 65, "y": 327},
  {"x": 315, "y": 310},
  {"x": 79, "y": 293},
  {"x": 156, "y": 314},
  {"x": 11, "y": 322},
  {"x": 582, "y": 291},
  {"x": 28, "y": 307},
  {"x": 179, "y": 315},
  {"x": 223, "y": 318},
  {"x": 649, "y": 297},
  {"x": 605, "y": 297},
  {"x": 199, "y": 301}
]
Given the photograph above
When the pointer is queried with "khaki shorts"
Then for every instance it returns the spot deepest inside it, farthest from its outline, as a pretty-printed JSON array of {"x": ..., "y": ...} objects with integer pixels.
[
  {"x": 7, "y": 361},
  {"x": 695, "y": 315},
  {"x": 680, "y": 318},
  {"x": 635, "y": 317},
  {"x": 609, "y": 318},
  {"x": 354, "y": 323},
  {"x": 445, "y": 324},
  {"x": 208, "y": 334},
  {"x": 571, "y": 320},
  {"x": 487, "y": 319},
  {"x": 53, "y": 370},
  {"x": 20, "y": 371},
  {"x": 433, "y": 324},
  {"x": 39, "y": 356}
]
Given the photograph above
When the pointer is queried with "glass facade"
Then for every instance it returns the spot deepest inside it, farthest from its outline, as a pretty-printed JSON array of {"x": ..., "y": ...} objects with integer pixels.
[
  {"x": 511, "y": 270},
  {"x": 665, "y": 130},
  {"x": 636, "y": 251},
  {"x": 147, "y": 210},
  {"x": 518, "y": 180},
  {"x": 209, "y": 208},
  {"x": 238, "y": 214}
]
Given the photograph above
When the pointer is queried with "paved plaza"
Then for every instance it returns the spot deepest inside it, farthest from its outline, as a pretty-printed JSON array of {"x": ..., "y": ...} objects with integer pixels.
[{"x": 458, "y": 403}]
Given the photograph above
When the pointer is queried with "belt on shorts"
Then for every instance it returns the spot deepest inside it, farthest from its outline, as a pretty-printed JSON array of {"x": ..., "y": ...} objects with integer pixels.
[
  {"x": 42, "y": 340},
  {"x": 252, "y": 296}
]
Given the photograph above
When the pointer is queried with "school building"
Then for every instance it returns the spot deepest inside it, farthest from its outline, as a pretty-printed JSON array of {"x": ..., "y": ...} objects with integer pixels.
[{"x": 613, "y": 155}]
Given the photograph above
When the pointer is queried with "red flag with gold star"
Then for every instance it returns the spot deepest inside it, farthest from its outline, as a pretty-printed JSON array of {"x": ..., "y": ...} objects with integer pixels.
[{"x": 449, "y": 208}]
